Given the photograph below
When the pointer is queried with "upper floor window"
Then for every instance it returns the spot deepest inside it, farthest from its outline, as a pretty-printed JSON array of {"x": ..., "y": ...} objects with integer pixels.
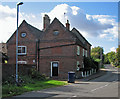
[
  {"x": 23, "y": 35},
  {"x": 83, "y": 52},
  {"x": 55, "y": 32},
  {"x": 86, "y": 53},
  {"x": 78, "y": 50},
  {"x": 22, "y": 50}
]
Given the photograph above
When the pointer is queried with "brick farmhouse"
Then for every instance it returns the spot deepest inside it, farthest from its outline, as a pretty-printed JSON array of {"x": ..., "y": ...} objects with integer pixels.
[{"x": 54, "y": 51}]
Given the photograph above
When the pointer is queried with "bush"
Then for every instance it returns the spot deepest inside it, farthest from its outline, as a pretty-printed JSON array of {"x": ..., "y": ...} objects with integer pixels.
[
  {"x": 33, "y": 73},
  {"x": 89, "y": 63},
  {"x": 21, "y": 80}
]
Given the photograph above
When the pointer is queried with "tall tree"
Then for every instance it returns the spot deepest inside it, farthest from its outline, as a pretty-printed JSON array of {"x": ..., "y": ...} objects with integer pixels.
[{"x": 96, "y": 52}]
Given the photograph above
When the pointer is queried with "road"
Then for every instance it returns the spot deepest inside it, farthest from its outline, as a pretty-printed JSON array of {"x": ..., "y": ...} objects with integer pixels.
[{"x": 104, "y": 86}]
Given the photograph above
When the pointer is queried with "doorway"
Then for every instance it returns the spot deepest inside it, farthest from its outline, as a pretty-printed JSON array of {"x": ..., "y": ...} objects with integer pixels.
[{"x": 54, "y": 68}]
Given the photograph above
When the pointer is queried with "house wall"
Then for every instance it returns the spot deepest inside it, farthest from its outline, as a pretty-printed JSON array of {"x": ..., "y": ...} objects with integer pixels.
[
  {"x": 28, "y": 41},
  {"x": 51, "y": 49},
  {"x": 65, "y": 55}
]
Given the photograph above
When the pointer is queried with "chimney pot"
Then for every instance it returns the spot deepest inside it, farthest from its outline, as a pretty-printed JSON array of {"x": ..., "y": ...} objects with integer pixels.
[{"x": 68, "y": 25}]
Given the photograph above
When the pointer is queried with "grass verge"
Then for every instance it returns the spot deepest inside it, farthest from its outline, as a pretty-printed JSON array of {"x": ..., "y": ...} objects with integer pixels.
[{"x": 12, "y": 90}]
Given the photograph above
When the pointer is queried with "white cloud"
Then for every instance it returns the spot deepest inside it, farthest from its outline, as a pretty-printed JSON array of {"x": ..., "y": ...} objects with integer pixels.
[
  {"x": 8, "y": 21},
  {"x": 103, "y": 35},
  {"x": 103, "y": 26},
  {"x": 89, "y": 25},
  {"x": 113, "y": 49}
]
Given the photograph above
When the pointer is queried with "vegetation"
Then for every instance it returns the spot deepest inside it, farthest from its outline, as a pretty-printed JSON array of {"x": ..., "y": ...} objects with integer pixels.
[
  {"x": 113, "y": 58},
  {"x": 89, "y": 63},
  {"x": 96, "y": 54},
  {"x": 34, "y": 81}
]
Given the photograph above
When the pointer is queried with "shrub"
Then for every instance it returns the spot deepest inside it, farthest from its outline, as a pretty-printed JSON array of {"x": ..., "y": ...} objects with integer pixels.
[{"x": 33, "y": 73}]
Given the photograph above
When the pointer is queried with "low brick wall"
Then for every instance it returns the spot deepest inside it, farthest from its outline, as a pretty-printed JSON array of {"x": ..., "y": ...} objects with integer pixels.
[{"x": 10, "y": 69}]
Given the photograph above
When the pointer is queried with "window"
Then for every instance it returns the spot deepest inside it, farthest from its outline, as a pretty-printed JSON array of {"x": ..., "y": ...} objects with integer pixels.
[
  {"x": 78, "y": 65},
  {"x": 22, "y": 50},
  {"x": 83, "y": 52},
  {"x": 83, "y": 64},
  {"x": 78, "y": 50},
  {"x": 23, "y": 34},
  {"x": 22, "y": 62},
  {"x": 86, "y": 53},
  {"x": 56, "y": 32}
]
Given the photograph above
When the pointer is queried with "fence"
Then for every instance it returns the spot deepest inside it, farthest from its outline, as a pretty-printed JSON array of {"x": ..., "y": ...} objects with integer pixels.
[{"x": 10, "y": 69}]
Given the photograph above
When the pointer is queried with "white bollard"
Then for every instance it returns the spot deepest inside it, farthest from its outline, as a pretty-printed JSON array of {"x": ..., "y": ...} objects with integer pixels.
[
  {"x": 95, "y": 70},
  {"x": 85, "y": 73},
  {"x": 82, "y": 74},
  {"x": 90, "y": 72}
]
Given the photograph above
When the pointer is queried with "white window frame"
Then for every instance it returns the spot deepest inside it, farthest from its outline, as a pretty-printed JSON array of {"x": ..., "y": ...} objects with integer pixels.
[
  {"x": 83, "y": 64},
  {"x": 86, "y": 53},
  {"x": 78, "y": 63},
  {"x": 78, "y": 50},
  {"x": 51, "y": 67},
  {"x": 21, "y": 49},
  {"x": 83, "y": 52},
  {"x": 22, "y": 62}
]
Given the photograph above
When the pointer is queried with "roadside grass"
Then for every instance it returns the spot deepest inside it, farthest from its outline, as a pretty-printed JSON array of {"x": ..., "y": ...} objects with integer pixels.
[
  {"x": 13, "y": 90},
  {"x": 118, "y": 66}
]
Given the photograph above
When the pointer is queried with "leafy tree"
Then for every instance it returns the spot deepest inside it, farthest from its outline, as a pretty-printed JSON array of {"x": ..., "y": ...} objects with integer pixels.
[
  {"x": 96, "y": 52},
  {"x": 118, "y": 55},
  {"x": 106, "y": 60},
  {"x": 111, "y": 56}
]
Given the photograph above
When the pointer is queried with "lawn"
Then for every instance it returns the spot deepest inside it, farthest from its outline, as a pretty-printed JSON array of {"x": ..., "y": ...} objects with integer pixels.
[{"x": 12, "y": 90}]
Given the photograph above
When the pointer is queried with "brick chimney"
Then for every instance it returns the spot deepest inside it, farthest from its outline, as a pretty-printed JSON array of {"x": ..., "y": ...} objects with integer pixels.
[
  {"x": 68, "y": 25},
  {"x": 46, "y": 21}
]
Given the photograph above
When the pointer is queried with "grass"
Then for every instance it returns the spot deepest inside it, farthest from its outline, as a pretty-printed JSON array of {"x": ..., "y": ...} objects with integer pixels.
[
  {"x": 12, "y": 90},
  {"x": 118, "y": 66}
]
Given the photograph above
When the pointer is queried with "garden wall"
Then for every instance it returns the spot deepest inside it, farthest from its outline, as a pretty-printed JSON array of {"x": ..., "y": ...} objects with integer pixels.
[{"x": 10, "y": 69}]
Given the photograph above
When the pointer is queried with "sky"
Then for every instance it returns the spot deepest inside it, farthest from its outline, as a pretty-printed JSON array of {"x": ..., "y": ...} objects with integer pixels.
[{"x": 96, "y": 21}]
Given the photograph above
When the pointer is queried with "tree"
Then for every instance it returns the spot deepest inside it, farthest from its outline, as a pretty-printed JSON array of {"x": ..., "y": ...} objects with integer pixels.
[
  {"x": 106, "y": 60},
  {"x": 118, "y": 55},
  {"x": 96, "y": 52},
  {"x": 111, "y": 56}
]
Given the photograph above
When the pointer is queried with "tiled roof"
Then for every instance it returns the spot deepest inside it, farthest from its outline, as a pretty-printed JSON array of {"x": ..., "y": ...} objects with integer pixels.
[{"x": 36, "y": 32}]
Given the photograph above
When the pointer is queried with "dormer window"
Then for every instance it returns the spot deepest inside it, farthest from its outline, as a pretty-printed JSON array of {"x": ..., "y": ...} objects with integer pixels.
[
  {"x": 55, "y": 32},
  {"x": 23, "y": 34}
]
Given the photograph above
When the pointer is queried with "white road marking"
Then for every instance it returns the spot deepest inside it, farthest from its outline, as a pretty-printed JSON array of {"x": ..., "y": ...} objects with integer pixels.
[
  {"x": 99, "y": 87},
  {"x": 74, "y": 96}
]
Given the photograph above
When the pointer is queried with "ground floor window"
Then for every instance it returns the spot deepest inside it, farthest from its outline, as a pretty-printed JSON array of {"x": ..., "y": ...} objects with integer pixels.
[
  {"x": 78, "y": 65},
  {"x": 22, "y": 62}
]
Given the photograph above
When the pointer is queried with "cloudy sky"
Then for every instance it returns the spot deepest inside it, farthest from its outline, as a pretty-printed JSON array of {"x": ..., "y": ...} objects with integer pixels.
[{"x": 97, "y": 22}]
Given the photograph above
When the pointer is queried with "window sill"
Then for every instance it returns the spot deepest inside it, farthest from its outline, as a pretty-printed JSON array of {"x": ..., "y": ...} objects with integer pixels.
[{"x": 22, "y": 54}]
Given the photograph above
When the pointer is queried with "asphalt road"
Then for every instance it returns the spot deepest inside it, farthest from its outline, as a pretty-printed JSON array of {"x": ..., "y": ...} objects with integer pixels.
[{"x": 104, "y": 86}]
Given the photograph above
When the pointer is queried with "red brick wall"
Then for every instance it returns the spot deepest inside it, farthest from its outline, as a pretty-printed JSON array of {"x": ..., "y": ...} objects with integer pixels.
[
  {"x": 28, "y": 41},
  {"x": 65, "y": 55}
]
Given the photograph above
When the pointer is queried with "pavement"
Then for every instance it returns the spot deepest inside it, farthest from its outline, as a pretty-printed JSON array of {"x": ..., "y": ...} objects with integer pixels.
[{"x": 100, "y": 73}]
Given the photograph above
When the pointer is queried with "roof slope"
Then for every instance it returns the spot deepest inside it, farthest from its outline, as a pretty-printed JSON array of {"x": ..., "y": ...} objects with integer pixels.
[
  {"x": 73, "y": 32},
  {"x": 79, "y": 36},
  {"x": 36, "y": 32}
]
